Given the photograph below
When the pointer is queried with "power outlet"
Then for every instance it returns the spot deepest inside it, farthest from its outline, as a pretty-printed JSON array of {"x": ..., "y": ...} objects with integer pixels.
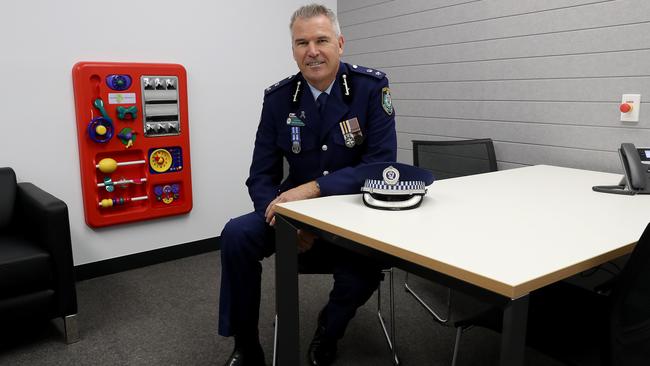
[{"x": 630, "y": 107}]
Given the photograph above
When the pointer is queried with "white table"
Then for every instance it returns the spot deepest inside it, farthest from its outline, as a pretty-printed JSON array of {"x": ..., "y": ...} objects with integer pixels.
[{"x": 501, "y": 234}]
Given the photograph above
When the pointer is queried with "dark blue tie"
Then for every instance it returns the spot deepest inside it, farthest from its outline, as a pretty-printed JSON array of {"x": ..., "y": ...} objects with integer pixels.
[{"x": 322, "y": 101}]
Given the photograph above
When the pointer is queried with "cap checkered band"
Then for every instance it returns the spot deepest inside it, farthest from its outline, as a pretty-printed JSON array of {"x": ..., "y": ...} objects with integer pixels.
[{"x": 403, "y": 187}]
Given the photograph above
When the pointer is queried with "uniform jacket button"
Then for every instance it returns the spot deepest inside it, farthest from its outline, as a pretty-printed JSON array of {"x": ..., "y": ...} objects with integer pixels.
[
  {"x": 326, "y": 172},
  {"x": 324, "y": 147}
]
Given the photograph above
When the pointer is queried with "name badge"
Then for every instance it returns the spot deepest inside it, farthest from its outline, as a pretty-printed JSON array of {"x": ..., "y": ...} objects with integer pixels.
[{"x": 292, "y": 120}]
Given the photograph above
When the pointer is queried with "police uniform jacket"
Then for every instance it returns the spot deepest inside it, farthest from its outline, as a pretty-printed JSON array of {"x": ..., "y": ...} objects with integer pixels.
[{"x": 289, "y": 107}]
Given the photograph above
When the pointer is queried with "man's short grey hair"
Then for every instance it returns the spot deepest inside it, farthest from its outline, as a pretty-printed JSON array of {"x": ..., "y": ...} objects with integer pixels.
[{"x": 313, "y": 10}]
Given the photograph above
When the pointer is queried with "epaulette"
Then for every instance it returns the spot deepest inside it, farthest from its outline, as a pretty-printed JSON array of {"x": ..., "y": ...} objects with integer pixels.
[
  {"x": 278, "y": 85},
  {"x": 367, "y": 71}
]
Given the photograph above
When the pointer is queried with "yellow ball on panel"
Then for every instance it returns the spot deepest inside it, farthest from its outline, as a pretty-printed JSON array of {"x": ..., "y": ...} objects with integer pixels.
[
  {"x": 101, "y": 130},
  {"x": 107, "y": 165}
]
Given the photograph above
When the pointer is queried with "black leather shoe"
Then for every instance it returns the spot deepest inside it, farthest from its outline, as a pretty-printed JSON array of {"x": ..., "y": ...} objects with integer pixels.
[
  {"x": 246, "y": 356},
  {"x": 322, "y": 351}
]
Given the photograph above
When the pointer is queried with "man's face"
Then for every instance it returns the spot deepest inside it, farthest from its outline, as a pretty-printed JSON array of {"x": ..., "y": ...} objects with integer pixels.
[{"x": 316, "y": 49}]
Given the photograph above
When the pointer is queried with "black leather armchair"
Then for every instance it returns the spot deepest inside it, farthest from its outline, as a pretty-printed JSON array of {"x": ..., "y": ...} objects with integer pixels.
[{"x": 36, "y": 267}]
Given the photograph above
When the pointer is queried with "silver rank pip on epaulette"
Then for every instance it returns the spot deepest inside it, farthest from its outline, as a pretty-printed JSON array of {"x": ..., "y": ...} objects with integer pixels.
[{"x": 391, "y": 193}]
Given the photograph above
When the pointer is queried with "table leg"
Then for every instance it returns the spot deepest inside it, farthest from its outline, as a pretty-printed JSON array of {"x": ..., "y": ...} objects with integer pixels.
[
  {"x": 286, "y": 293},
  {"x": 513, "y": 336}
]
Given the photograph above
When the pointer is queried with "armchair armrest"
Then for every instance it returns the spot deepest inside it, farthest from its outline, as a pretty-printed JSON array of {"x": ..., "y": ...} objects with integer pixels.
[{"x": 44, "y": 219}]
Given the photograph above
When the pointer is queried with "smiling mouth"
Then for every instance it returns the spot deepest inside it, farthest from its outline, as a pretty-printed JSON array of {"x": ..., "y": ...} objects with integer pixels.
[{"x": 315, "y": 63}]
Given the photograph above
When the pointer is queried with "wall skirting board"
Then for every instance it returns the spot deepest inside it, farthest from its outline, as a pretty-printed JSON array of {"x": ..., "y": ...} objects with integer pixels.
[{"x": 125, "y": 263}]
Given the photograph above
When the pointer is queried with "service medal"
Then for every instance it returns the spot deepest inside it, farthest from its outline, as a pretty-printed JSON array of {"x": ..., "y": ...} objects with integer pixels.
[
  {"x": 351, "y": 131},
  {"x": 295, "y": 139},
  {"x": 349, "y": 141}
]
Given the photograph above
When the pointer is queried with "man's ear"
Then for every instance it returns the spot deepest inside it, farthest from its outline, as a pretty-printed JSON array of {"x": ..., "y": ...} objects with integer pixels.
[{"x": 341, "y": 44}]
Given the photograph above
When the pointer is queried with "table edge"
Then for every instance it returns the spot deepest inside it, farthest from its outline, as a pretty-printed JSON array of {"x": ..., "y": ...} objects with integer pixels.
[{"x": 498, "y": 287}]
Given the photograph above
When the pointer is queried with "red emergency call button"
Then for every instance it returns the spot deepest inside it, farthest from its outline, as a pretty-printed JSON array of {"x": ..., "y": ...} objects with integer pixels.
[{"x": 625, "y": 107}]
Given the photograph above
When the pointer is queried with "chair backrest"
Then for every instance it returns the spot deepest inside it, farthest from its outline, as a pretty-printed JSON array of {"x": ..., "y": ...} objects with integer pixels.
[
  {"x": 630, "y": 315},
  {"x": 449, "y": 159},
  {"x": 7, "y": 195}
]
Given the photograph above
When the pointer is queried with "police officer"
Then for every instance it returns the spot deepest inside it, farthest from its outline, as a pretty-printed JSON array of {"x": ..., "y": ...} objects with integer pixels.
[{"x": 325, "y": 120}]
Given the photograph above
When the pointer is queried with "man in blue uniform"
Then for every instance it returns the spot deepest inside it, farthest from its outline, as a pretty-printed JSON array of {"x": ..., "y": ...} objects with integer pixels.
[{"x": 325, "y": 121}]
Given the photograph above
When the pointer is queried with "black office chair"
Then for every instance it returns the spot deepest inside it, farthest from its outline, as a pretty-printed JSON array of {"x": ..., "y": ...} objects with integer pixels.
[
  {"x": 457, "y": 158},
  {"x": 629, "y": 308},
  {"x": 36, "y": 268},
  {"x": 317, "y": 262},
  {"x": 450, "y": 159},
  {"x": 572, "y": 322}
]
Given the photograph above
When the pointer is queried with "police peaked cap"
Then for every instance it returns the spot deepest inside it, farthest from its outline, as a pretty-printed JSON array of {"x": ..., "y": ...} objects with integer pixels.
[{"x": 393, "y": 186}]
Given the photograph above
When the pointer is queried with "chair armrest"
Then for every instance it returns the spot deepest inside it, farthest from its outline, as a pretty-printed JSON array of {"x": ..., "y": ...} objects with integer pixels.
[{"x": 43, "y": 218}]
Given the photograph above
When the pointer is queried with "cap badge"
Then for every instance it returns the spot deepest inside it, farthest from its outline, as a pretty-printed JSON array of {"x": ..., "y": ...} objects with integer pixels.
[{"x": 390, "y": 175}]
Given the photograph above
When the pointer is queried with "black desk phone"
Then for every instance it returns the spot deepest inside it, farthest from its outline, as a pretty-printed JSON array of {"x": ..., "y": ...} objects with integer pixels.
[{"x": 636, "y": 166}]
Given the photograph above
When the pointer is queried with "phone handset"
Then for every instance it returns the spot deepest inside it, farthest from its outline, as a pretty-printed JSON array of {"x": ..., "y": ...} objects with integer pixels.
[{"x": 637, "y": 173}]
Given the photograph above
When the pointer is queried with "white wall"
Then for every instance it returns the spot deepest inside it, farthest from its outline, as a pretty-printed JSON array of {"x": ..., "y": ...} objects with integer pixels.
[{"x": 231, "y": 50}]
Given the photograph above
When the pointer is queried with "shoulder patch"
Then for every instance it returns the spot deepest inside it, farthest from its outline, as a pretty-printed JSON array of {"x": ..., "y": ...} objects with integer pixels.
[
  {"x": 358, "y": 69},
  {"x": 387, "y": 101},
  {"x": 278, "y": 85}
]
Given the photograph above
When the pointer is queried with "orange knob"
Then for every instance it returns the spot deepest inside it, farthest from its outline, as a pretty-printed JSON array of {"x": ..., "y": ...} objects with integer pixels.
[{"x": 625, "y": 107}]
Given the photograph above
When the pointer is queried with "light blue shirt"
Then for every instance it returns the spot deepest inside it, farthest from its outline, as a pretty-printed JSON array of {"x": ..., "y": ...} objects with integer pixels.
[{"x": 315, "y": 92}]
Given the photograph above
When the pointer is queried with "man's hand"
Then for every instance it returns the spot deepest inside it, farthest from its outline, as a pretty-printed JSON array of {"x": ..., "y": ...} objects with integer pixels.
[
  {"x": 305, "y": 191},
  {"x": 305, "y": 240}
]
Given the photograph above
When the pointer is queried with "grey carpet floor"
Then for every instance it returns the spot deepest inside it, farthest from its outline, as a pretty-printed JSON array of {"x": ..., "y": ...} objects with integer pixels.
[{"x": 166, "y": 314}]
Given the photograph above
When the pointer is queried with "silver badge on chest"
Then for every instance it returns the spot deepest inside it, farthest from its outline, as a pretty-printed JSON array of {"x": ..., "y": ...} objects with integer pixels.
[
  {"x": 351, "y": 131},
  {"x": 295, "y": 139}
]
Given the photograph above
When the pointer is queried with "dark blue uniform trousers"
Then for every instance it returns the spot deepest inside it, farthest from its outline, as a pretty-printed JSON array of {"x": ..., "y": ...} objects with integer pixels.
[{"x": 248, "y": 239}]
